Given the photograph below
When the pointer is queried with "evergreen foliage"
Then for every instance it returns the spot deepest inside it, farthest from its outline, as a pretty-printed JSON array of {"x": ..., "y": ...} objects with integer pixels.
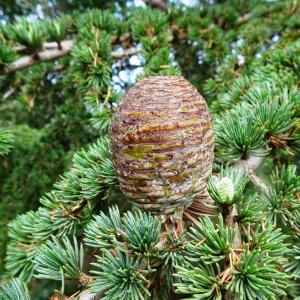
[
  {"x": 29, "y": 34},
  {"x": 14, "y": 290},
  {"x": 6, "y": 139},
  {"x": 244, "y": 58}
]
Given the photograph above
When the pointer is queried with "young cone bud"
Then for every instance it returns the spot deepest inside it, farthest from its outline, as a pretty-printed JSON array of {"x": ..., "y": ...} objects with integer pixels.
[
  {"x": 226, "y": 189},
  {"x": 162, "y": 144}
]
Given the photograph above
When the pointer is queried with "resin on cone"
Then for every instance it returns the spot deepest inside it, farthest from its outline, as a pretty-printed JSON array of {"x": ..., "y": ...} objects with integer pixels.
[{"x": 162, "y": 144}]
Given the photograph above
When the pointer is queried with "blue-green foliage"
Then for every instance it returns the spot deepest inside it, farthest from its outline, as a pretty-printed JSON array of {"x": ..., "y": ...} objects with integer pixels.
[{"x": 244, "y": 58}]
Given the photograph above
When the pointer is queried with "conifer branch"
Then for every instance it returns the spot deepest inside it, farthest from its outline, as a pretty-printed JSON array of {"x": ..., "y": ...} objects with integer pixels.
[
  {"x": 159, "y": 4},
  {"x": 250, "y": 165},
  {"x": 46, "y": 55},
  {"x": 253, "y": 162},
  {"x": 8, "y": 93},
  {"x": 52, "y": 53},
  {"x": 230, "y": 222},
  {"x": 254, "y": 178},
  {"x": 244, "y": 18},
  {"x": 87, "y": 295},
  {"x": 46, "y": 46}
]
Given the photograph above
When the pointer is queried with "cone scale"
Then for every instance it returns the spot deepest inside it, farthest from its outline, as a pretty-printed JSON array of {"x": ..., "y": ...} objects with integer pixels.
[{"x": 162, "y": 144}]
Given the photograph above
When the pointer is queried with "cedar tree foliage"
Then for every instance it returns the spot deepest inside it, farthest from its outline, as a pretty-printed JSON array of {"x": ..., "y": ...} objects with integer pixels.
[{"x": 61, "y": 79}]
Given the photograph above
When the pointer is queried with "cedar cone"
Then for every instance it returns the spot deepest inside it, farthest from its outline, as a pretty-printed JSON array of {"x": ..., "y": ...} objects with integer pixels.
[{"x": 162, "y": 144}]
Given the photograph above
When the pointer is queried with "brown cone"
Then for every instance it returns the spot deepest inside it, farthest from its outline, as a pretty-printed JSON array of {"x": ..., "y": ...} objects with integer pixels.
[{"x": 162, "y": 144}]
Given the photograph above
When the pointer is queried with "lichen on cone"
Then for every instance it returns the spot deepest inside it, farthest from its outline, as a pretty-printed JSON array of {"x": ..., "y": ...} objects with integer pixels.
[{"x": 162, "y": 144}]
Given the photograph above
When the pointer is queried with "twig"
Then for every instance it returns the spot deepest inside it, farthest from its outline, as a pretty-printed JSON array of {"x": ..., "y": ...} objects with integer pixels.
[
  {"x": 8, "y": 93},
  {"x": 230, "y": 222},
  {"x": 87, "y": 295},
  {"x": 250, "y": 165},
  {"x": 159, "y": 4},
  {"x": 118, "y": 54},
  {"x": 46, "y": 45},
  {"x": 254, "y": 178},
  {"x": 52, "y": 54},
  {"x": 253, "y": 162},
  {"x": 162, "y": 5},
  {"x": 46, "y": 55},
  {"x": 244, "y": 18}
]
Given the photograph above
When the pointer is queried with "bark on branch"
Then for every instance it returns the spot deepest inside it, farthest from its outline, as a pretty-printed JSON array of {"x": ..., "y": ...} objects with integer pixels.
[
  {"x": 159, "y": 4},
  {"x": 46, "y": 45},
  {"x": 244, "y": 18},
  {"x": 163, "y": 6},
  {"x": 85, "y": 295},
  {"x": 55, "y": 53},
  {"x": 250, "y": 165},
  {"x": 46, "y": 55}
]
